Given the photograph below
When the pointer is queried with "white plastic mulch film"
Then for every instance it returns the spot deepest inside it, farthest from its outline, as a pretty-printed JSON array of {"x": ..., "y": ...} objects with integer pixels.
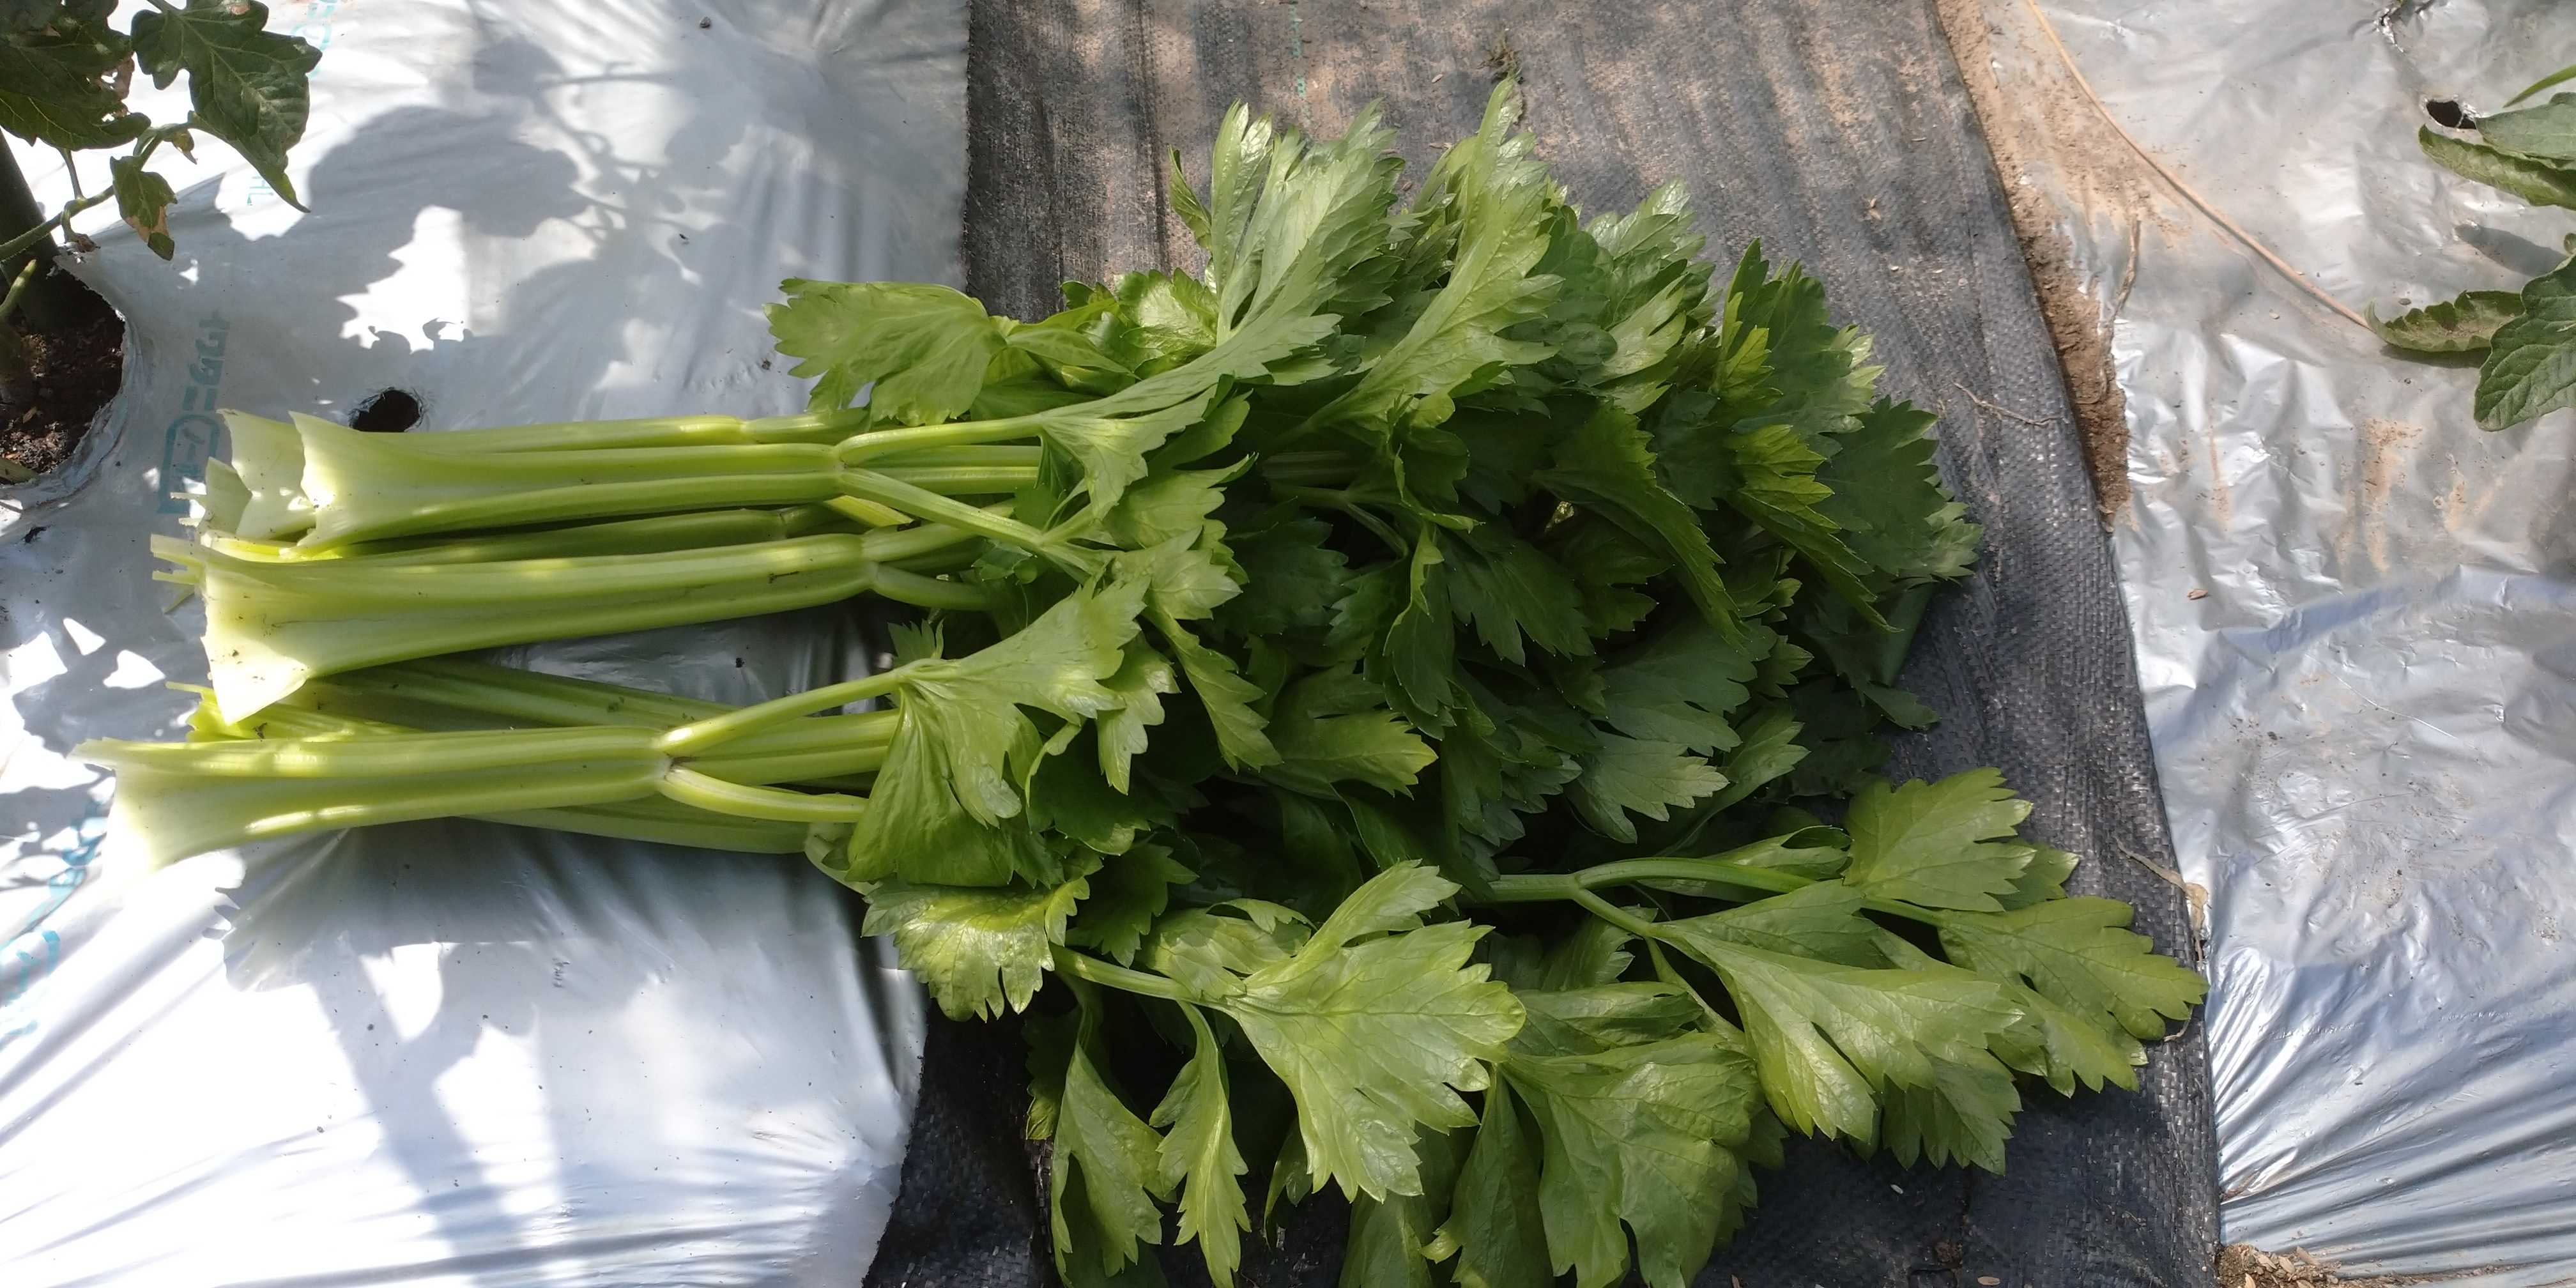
[
  {"x": 2354, "y": 619},
  {"x": 460, "y": 1054}
]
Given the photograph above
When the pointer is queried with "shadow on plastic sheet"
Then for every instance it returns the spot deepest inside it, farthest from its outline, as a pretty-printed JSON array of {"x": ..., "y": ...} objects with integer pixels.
[
  {"x": 423, "y": 884},
  {"x": 314, "y": 917},
  {"x": 215, "y": 262},
  {"x": 564, "y": 324},
  {"x": 353, "y": 213}
]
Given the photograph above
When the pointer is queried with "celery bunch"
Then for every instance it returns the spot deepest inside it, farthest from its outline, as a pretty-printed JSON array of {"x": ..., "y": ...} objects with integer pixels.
[{"x": 1396, "y": 667}]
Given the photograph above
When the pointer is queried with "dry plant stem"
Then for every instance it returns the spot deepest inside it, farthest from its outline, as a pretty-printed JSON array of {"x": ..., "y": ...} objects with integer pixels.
[
  {"x": 14, "y": 371},
  {"x": 2189, "y": 194}
]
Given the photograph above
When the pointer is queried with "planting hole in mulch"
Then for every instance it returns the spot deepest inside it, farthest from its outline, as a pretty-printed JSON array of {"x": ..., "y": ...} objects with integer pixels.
[
  {"x": 76, "y": 361},
  {"x": 388, "y": 411}
]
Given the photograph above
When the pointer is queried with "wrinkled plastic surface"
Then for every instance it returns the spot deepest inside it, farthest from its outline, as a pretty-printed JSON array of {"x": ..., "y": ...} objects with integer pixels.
[
  {"x": 2355, "y": 621},
  {"x": 454, "y": 1053}
]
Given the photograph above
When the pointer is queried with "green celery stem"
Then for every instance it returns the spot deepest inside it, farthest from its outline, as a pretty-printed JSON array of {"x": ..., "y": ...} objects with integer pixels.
[
  {"x": 930, "y": 592},
  {"x": 390, "y": 755},
  {"x": 1310, "y": 469},
  {"x": 996, "y": 456},
  {"x": 697, "y": 737},
  {"x": 891, "y": 490},
  {"x": 335, "y": 615},
  {"x": 964, "y": 433},
  {"x": 818, "y": 428},
  {"x": 887, "y": 546},
  {"x": 1614, "y": 914},
  {"x": 671, "y": 824},
  {"x": 716, "y": 795},
  {"x": 965, "y": 480},
  {"x": 651, "y": 535},
  {"x": 1093, "y": 970},
  {"x": 928, "y": 491},
  {"x": 651, "y": 431},
  {"x": 446, "y": 688},
  {"x": 826, "y": 427},
  {"x": 587, "y": 435},
  {"x": 512, "y": 695},
  {"x": 1578, "y": 886},
  {"x": 581, "y": 786}
]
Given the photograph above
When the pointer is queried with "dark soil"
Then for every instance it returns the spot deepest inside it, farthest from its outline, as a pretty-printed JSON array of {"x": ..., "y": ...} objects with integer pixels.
[
  {"x": 2052, "y": 124},
  {"x": 78, "y": 364},
  {"x": 2243, "y": 1267}
]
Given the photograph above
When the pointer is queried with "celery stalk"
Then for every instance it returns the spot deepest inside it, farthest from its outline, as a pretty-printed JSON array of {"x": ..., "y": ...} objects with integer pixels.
[
  {"x": 446, "y": 694},
  {"x": 271, "y": 626},
  {"x": 501, "y": 692},
  {"x": 367, "y": 487},
  {"x": 333, "y": 771},
  {"x": 336, "y": 486},
  {"x": 186, "y": 798}
]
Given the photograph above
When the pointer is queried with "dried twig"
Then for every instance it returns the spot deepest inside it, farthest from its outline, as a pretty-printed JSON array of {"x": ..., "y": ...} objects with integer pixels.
[
  {"x": 2003, "y": 411},
  {"x": 2188, "y": 193}
]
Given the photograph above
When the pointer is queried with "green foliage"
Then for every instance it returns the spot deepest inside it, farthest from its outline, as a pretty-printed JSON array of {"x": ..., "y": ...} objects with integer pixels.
[
  {"x": 64, "y": 73},
  {"x": 246, "y": 84},
  {"x": 1938, "y": 845},
  {"x": 2528, "y": 336},
  {"x": 2465, "y": 323},
  {"x": 2546, "y": 132},
  {"x": 980, "y": 951},
  {"x": 2531, "y": 363},
  {"x": 1107, "y": 1170},
  {"x": 1198, "y": 1158},
  {"x": 1371, "y": 1023},
  {"x": 1565, "y": 545},
  {"x": 1642, "y": 1135},
  {"x": 2534, "y": 179},
  {"x": 948, "y": 803},
  {"x": 920, "y": 350},
  {"x": 57, "y": 88}
]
